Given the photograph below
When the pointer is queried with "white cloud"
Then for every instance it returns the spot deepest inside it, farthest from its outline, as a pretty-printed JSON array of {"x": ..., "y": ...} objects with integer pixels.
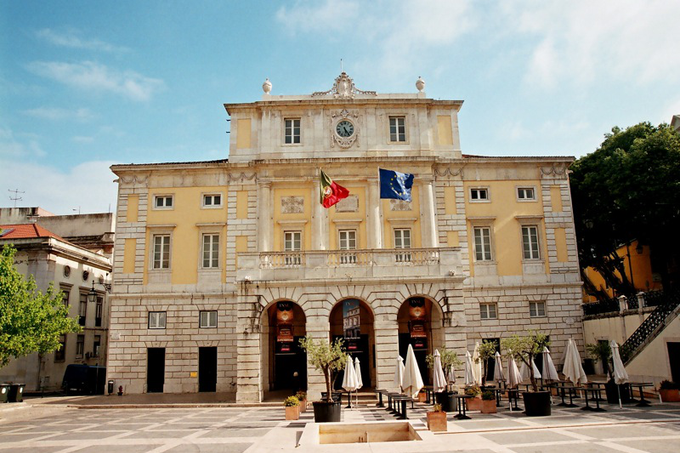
[
  {"x": 91, "y": 76},
  {"x": 318, "y": 17},
  {"x": 58, "y": 114},
  {"x": 13, "y": 148},
  {"x": 72, "y": 39},
  {"x": 87, "y": 187}
]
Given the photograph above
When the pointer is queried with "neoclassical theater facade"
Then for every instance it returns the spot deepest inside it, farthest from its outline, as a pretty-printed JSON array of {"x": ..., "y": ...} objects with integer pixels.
[{"x": 221, "y": 266}]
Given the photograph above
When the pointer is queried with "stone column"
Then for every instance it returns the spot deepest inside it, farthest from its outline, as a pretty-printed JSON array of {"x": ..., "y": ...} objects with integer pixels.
[
  {"x": 427, "y": 214},
  {"x": 374, "y": 222},
  {"x": 264, "y": 198},
  {"x": 386, "y": 332},
  {"x": 248, "y": 361}
]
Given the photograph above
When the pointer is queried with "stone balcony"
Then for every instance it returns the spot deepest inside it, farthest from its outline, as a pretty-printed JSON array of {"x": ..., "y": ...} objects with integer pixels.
[{"x": 379, "y": 264}]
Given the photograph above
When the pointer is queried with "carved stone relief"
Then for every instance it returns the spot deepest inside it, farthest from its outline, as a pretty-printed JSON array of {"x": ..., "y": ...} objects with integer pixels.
[
  {"x": 292, "y": 205},
  {"x": 349, "y": 204},
  {"x": 400, "y": 205}
]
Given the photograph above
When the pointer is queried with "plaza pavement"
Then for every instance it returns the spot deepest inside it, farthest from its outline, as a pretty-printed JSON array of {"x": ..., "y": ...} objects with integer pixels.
[{"x": 178, "y": 425}]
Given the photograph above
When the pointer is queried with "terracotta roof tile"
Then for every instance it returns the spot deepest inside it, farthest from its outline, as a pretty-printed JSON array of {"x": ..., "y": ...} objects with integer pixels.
[{"x": 26, "y": 231}]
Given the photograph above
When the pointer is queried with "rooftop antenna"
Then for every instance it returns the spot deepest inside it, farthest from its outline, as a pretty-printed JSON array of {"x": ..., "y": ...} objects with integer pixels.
[{"x": 16, "y": 196}]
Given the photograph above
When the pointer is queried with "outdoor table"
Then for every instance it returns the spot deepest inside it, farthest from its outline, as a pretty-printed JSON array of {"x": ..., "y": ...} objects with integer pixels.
[
  {"x": 600, "y": 386},
  {"x": 461, "y": 405},
  {"x": 643, "y": 402},
  {"x": 562, "y": 389},
  {"x": 513, "y": 394},
  {"x": 429, "y": 392},
  {"x": 390, "y": 397},
  {"x": 596, "y": 393},
  {"x": 380, "y": 395}
]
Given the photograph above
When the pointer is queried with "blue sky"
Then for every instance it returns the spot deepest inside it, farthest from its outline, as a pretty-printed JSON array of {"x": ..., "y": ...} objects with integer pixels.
[{"x": 86, "y": 84}]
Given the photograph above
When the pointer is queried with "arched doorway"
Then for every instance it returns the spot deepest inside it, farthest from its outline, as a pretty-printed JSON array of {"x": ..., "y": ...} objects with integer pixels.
[
  {"x": 355, "y": 318},
  {"x": 283, "y": 325},
  {"x": 420, "y": 325}
]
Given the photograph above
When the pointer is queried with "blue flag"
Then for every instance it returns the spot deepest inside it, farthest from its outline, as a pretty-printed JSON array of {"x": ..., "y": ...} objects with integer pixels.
[{"x": 395, "y": 185}]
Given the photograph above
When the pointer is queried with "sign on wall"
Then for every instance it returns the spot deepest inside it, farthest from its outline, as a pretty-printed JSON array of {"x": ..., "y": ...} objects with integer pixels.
[
  {"x": 418, "y": 317},
  {"x": 284, "y": 322}
]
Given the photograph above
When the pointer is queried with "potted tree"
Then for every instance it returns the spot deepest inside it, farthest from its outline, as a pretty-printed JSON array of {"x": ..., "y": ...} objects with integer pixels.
[
  {"x": 436, "y": 419},
  {"x": 292, "y": 405},
  {"x": 486, "y": 351},
  {"x": 525, "y": 349},
  {"x": 329, "y": 358},
  {"x": 669, "y": 391},
  {"x": 488, "y": 404},
  {"x": 449, "y": 360},
  {"x": 474, "y": 403},
  {"x": 602, "y": 352}
]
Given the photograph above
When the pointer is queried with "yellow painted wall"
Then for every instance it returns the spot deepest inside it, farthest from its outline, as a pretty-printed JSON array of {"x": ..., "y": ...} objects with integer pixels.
[
  {"x": 556, "y": 198},
  {"x": 129, "y": 256},
  {"x": 452, "y": 238},
  {"x": 450, "y": 200},
  {"x": 444, "y": 133},
  {"x": 507, "y": 230},
  {"x": 388, "y": 215},
  {"x": 561, "y": 243},
  {"x": 242, "y": 204},
  {"x": 186, "y": 236},
  {"x": 133, "y": 208},
  {"x": 306, "y": 216},
  {"x": 241, "y": 246},
  {"x": 333, "y": 215},
  {"x": 243, "y": 133}
]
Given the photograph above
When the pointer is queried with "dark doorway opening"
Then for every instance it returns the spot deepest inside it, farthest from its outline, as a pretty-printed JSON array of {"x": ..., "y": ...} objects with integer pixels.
[
  {"x": 155, "y": 370},
  {"x": 290, "y": 366},
  {"x": 207, "y": 369},
  {"x": 674, "y": 359},
  {"x": 357, "y": 349},
  {"x": 421, "y": 351}
]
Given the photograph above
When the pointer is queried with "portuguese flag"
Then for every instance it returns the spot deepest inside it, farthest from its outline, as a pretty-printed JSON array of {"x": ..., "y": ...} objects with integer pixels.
[{"x": 331, "y": 192}]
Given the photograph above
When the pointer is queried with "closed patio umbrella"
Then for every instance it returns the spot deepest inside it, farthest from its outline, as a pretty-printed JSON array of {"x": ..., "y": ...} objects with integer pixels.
[
  {"x": 573, "y": 370},
  {"x": 526, "y": 374},
  {"x": 438, "y": 380},
  {"x": 549, "y": 371},
  {"x": 620, "y": 374},
  {"x": 399, "y": 374},
  {"x": 349, "y": 380},
  {"x": 413, "y": 381},
  {"x": 477, "y": 365},
  {"x": 498, "y": 368},
  {"x": 360, "y": 381},
  {"x": 514, "y": 378}
]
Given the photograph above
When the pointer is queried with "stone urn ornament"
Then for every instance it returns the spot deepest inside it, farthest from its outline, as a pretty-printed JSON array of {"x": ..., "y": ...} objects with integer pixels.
[
  {"x": 267, "y": 86},
  {"x": 420, "y": 84}
]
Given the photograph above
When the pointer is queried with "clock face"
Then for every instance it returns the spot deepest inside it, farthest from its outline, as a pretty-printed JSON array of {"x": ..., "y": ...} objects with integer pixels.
[{"x": 344, "y": 129}]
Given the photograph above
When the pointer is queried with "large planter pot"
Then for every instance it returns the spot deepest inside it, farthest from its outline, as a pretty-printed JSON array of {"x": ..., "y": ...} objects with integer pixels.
[
  {"x": 446, "y": 400},
  {"x": 303, "y": 405},
  {"x": 326, "y": 412},
  {"x": 292, "y": 412},
  {"x": 436, "y": 421},
  {"x": 613, "y": 394},
  {"x": 670, "y": 395},
  {"x": 488, "y": 406},
  {"x": 536, "y": 404},
  {"x": 474, "y": 404}
]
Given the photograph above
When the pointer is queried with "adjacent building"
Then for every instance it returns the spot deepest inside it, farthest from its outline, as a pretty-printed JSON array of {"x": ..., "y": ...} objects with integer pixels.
[{"x": 221, "y": 266}]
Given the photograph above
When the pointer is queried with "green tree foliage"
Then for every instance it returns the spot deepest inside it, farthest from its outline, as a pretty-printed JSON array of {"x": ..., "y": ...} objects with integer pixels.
[
  {"x": 449, "y": 361},
  {"x": 486, "y": 351},
  {"x": 329, "y": 358},
  {"x": 629, "y": 188},
  {"x": 30, "y": 321},
  {"x": 600, "y": 351},
  {"x": 525, "y": 348}
]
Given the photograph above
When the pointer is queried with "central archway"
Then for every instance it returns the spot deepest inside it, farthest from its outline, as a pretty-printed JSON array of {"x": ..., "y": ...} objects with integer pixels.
[
  {"x": 420, "y": 325},
  {"x": 362, "y": 344},
  {"x": 285, "y": 366}
]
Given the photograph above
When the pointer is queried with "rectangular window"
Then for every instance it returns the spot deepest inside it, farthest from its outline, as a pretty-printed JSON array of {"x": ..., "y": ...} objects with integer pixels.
[
  {"x": 292, "y": 131},
  {"x": 536, "y": 309},
  {"x": 479, "y": 194},
  {"x": 292, "y": 242},
  {"x": 211, "y": 251},
  {"x": 482, "y": 237},
  {"x": 60, "y": 354},
  {"x": 530, "y": 242},
  {"x": 157, "y": 319},
  {"x": 487, "y": 311},
  {"x": 348, "y": 241},
  {"x": 161, "y": 251},
  {"x": 397, "y": 129},
  {"x": 96, "y": 346},
  {"x": 402, "y": 240},
  {"x": 66, "y": 293},
  {"x": 207, "y": 319},
  {"x": 98, "y": 312},
  {"x": 82, "y": 309},
  {"x": 526, "y": 193},
  {"x": 212, "y": 200},
  {"x": 163, "y": 201},
  {"x": 80, "y": 346}
]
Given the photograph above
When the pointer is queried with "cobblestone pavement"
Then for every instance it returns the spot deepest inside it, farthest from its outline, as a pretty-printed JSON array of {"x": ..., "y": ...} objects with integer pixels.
[{"x": 62, "y": 429}]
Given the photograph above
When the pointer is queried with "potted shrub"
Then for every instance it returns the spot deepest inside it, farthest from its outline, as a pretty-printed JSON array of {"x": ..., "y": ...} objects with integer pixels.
[
  {"x": 302, "y": 397},
  {"x": 486, "y": 351},
  {"x": 488, "y": 403},
  {"x": 436, "y": 419},
  {"x": 449, "y": 360},
  {"x": 329, "y": 358},
  {"x": 602, "y": 352},
  {"x": 474, "y": 403},
  {"x": 292, "y": 405},
  {"x": 525, "y": 349},
  {"x": 669, "y": 391}
]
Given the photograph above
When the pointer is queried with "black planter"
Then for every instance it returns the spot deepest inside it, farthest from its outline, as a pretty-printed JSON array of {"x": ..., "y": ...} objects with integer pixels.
[
  {"x": 612, "y": 391},
  {"x": 326, "y": 412},
  {"x": 536, "y": 404},
  {"x": 446, "y": 400}
]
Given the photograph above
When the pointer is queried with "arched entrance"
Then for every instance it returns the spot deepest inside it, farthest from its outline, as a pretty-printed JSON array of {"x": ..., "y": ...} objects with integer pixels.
[
  {"x": 420, "y": 325},
  {"x": 283, "y": 325},
  {"x": 352, "y": 320}
]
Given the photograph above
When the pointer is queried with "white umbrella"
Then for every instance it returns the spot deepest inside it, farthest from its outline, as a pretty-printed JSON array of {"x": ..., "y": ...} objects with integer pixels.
[
  {"x": 549, "y": 370},
  {"x": 477, "y": 365},
  {"x": 349, "y": 380},
  {"x": 526, "y": 374},
  {"x": 413, "y": 381},
  {"x": 514, "y": 378},
  {"x": 357, "y": 371},
  {"x": 573, "y": 370},
  {"x": 451, "y": 375},
  {"x": 399, "y": 374},
  {"x": 438, "y": 380},
  {"x": 620, "y": 374},
  {"x": 498, "y": 368},
  {"x": 469, "y": 370}
]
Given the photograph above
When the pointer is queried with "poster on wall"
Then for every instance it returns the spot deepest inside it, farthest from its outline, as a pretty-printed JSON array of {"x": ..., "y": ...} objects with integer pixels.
[
  {"x": 418, "y": 316},
  {"x": 351, "y": 319},
  {"x": 284, "y": 322}
]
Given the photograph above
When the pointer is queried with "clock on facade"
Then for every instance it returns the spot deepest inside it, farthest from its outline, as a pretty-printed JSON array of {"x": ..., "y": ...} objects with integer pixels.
[{"x": 344, "y": 129}]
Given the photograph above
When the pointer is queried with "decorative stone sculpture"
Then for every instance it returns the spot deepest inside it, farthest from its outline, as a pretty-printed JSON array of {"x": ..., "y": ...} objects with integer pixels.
[
  {"x": 267, "y": 86},
  {"x": 420, "y": 84}
]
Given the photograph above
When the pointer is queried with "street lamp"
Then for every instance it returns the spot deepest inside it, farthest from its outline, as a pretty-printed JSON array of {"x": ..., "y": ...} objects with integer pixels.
[{"x": 92, "y": 294}]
